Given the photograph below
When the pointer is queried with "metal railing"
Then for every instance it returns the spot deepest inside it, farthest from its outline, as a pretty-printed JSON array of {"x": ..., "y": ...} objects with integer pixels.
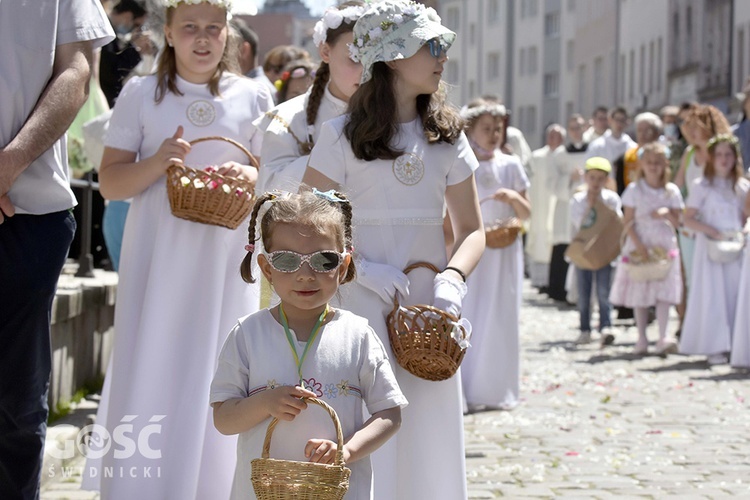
[{"x": 86, "y": 258}]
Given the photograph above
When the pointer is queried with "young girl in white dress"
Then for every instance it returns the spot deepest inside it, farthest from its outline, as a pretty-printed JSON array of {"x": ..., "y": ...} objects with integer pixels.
[
  {"x": 491, "y": 368},
  {"x": 741, "y": 337},
  {"x": 302, "y": 348},
  {"x": 714, "y": 209},
  {"x": 402, "y": 157},
  {"x": 291, "y": 129},
  {"x": 652, "y": 208},
  {"x": 179, "y": 292}
]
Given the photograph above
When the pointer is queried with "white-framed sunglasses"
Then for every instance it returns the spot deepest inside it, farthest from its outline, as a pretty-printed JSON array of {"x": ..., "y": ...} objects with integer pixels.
[{"x": 323, "y": 261}]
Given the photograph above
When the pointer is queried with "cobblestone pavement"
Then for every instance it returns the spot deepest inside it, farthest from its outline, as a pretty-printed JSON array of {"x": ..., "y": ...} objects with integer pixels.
[{"x": 597, "y": 423}]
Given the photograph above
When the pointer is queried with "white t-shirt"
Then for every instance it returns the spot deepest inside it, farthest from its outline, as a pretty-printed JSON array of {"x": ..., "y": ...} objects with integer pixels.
[
  {"x": 579, "y": 207},
  {"x": 29, "y": 35},
  {"x": 610, "y": 148},
  {"x": 347, "y": 368}
]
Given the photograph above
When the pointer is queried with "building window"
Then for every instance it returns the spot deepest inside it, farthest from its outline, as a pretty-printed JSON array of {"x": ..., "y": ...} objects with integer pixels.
[
  {"x": 493, "y": 65},
  {"x": 551, "y": 84},
  {"x": 740, "y": 59},
  {"x": 531, "y": 118},
  {"x": 452, "y": 18},
  {"x": 522, "y": 61},
  {"x": 570, "y": 55},
  {"x": 493, "y": 11},
  {"x": 532, "y": 60},
  {"x": 598, "y": 80},
  {"x": 631, "y": 75},
  {"x": 472, "y": 34},
  {"x": 651, "y": 62},
  {"x": 621, "y": 79},
  {"x": 642, "y": 73},
  {"x": 552, "y": 25},
  {"x": 659, "y": 61}
]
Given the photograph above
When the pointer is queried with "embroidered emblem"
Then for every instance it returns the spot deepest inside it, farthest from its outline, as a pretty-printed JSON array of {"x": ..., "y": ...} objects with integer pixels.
[
  {"x": 408, "y": 169},
  {"x": 272, "y": 384},
  {"x": 201, "y": 113}
]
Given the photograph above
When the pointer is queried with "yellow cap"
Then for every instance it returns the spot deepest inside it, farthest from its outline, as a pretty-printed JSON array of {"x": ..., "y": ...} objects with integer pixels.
[{"x": 598, "y": 163}]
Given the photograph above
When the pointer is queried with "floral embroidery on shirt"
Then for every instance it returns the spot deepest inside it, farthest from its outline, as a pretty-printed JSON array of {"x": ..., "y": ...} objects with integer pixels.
[
  {"x": 313, "y": 385},
  {"x": 330, "y": 391},
  {"x": 344, "y": 387}
]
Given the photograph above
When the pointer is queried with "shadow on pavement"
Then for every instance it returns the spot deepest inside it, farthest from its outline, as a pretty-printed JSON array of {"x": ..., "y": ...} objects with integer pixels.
[
  {"x": 698, "y": 364},
  {"x": 718, "y": 377}
]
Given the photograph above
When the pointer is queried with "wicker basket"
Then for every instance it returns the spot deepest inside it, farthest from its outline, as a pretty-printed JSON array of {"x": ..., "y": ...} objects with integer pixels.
[
  {"x": 501, "y": 232},
  {"x": 656, "y": 268},
  {"x": 208, "y": 197},
  {"x": 423, "y": 338},
  {"x": 288, "y": 479}
]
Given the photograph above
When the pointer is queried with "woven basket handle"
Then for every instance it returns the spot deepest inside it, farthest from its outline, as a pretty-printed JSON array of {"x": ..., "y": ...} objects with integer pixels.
[
  {"x": 339, "y": 460},
  {"x": 410, "y": 268},
  {"x": 632, "y": 222},
  {"x": 253, "y": 159}
]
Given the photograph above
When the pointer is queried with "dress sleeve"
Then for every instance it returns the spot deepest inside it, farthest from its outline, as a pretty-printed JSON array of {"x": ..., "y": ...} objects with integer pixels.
[
  {"x": 675, "y": 196},
  {"x": 232, "y": 372},
  {"x": 329, "y": 155},
  {"x": 380, "y": 388},
  {"x": 263, "y": 103},
  {"x": 283, "y": 163},
  {"x": 697, "y": 194},
  {"x": 83, "y": 20},
  {"x": 520, "y": 179},
  {"x": 465, "y": 162},
  {"x": 629, "y": 195},
  {"x": 125, "y": 127}
]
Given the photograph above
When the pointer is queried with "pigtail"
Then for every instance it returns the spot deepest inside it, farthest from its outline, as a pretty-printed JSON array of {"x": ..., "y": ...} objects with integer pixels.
[
  {"x": 346, "y": 209},
  {"x": 313, "y": 102},
  {"x": 247, "y": 263}
]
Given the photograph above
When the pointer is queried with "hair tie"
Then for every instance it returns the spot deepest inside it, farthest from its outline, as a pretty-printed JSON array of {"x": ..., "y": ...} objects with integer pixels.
[
  {"x": 329, "y": 195},
  {"x": 250, "y": 248}
]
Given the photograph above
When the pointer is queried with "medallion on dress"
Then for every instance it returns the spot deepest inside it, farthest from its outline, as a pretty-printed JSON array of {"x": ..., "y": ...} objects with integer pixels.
[
  {"x": 408, "y": 169},
  {"x": 201, "y": 113}
]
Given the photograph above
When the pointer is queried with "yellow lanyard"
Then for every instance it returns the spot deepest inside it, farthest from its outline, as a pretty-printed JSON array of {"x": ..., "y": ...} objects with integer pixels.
[{"x": 315, "y": 331}]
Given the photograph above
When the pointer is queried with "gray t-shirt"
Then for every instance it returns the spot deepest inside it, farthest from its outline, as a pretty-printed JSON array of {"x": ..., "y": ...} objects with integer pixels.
[{"x": 29, "y": 35}]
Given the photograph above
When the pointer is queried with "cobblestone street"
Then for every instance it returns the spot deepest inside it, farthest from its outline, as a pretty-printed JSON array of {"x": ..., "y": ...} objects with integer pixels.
[{"x": 599, "y": 423}]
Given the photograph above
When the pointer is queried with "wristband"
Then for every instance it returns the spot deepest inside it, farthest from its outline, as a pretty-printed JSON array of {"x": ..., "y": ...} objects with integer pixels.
[{"x": 460, "y": 272}]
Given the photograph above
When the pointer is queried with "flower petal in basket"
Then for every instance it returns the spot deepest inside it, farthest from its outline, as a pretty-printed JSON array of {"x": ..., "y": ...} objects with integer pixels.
[{"x": 208, "y": 197}]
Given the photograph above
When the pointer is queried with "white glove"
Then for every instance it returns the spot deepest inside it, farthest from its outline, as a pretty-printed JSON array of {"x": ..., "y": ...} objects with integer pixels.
[
  {"x": 449, "y": 292},
  {"x": 383, "y": 279}
]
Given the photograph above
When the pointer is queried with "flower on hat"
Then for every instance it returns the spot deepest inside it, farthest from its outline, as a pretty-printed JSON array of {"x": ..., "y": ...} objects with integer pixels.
[
  {"x": 332, "y": 19},
  {"x": 409, "y": 11},
  {"x": 226, "y": 4}
]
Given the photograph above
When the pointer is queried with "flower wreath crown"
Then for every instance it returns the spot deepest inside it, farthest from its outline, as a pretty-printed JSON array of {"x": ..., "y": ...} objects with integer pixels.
[
  {"x": 226, "y": 4},
  {"x": 728, "y": 138},
  {"x": 332, "y": 19},
  {"x": 409, "y": 11},
  {"x": 470, "y": 114}
]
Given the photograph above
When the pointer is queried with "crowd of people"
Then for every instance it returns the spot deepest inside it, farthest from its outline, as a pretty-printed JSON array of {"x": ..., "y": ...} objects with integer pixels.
[{"x": 365, "y": 169}]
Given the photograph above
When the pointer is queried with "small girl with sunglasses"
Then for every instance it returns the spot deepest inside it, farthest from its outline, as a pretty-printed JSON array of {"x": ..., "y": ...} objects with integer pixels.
[{"x": 303, "y": 348}]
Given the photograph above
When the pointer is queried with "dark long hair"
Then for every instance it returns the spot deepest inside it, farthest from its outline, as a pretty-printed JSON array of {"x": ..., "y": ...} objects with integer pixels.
[{"x": 372, "y": 124}]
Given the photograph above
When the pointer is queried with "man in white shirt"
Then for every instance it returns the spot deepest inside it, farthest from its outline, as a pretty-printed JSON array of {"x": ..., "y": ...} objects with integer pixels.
[
  {"x": 613, "y": 143},
  {"x": 45, "y": 65}
]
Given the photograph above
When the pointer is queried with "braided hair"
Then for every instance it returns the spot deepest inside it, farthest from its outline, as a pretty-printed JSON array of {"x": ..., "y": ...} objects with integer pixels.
[{"x": 325, "y": 213}]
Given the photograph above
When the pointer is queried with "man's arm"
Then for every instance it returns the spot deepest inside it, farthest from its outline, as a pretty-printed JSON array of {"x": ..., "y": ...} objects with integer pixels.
[{"x": 55, "y": 110}]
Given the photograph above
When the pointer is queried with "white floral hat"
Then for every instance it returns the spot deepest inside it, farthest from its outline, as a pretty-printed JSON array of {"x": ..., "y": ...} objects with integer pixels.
[{"x": 395, "y": 29}]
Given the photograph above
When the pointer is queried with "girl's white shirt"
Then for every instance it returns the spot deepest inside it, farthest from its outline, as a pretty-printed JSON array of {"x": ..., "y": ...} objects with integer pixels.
[{"x": 283, "y": 163}]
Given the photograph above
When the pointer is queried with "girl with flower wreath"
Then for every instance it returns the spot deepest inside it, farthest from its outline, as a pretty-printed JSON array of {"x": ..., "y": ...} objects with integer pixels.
[
  {"x": 714, "y": 211},
  {"x": 491, "y": 368},
  {"x": 179, "y": 292},
  {"x": 402, "y": 157},
  {"x": 291, "y": 129}
]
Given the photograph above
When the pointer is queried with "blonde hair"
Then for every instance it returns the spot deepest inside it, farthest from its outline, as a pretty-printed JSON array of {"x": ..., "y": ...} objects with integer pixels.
[{"x": 658, "y": 149}]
